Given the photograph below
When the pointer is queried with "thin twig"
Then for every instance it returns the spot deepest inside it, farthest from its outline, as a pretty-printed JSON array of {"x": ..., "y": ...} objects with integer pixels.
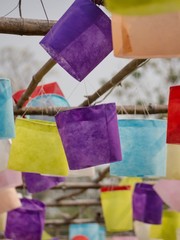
[
  {"x": 35, "y": 80},
  {"x": 75, "y": 193},
  {"x": 117, "y": 79}
]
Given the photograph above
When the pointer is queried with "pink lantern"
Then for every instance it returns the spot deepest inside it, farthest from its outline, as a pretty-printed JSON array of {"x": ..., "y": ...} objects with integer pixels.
[
  {"x": 169, "y": 192},
  {"x": 10, "y": 178}
]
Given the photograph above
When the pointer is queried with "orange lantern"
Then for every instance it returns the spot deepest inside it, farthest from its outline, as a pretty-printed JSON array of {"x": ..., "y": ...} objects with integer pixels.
[{"x": 146, "y": 36}]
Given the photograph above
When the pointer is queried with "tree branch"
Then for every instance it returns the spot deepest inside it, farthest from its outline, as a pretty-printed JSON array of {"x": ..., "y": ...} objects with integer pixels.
[
  {"x": 24, "y": 26},
  {"x": 62, "y": 222},
  {"x": 127, "y": 109},
  {"x": 77, "y": 202},
  {"x": 35, "y": 80},
  {"x": 96, "y": 180},
  {"x": 116, "y": 80}
]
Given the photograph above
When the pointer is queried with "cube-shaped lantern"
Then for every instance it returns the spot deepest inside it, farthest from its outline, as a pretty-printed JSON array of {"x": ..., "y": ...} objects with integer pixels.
[
  {"x": 90, "y": 135},
  {"x": 37, "y": 148},
  {"x": 26, "y": 222},
  {"x": 80, "y": 39},
  {"x": 7, "y": 129},
  {"x": 147, "y": 205},
  {"x": 143, "y": 148},
  {"x": 147, "y": 36}
]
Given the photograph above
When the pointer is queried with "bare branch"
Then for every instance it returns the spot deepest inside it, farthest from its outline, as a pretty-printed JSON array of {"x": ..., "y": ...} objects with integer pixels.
[
  {"x": 24, "y": 26},
  {"x": 127, "y": 109},
  {"x": 35, "y": 80},
  {"x": 117, "y": 79}
]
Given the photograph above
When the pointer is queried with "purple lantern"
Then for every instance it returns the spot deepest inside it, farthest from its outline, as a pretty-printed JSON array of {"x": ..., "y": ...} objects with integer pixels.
[
  {"x": 37, "y": 183},
  {"x": 90, "y": 135},
  {"x": 80, "y": 39},
  {"x": 147, "y": 205},
  {"x": 26, "y": 222}
]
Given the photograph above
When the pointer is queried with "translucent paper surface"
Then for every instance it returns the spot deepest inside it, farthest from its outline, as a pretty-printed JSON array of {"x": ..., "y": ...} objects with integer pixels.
[
  {"x": 26, "y": 222},
  {"x": 90, "y": 135},
  {"x": 141, "y": 7},
  {"x": 37, "y": 148},
  {"x": 6, "y": 110},
  {"x": 117, "y": 210},
  {"x": 80, "y": 39},
  {"x": 45, "y": 101},
  {"x": 146, "y": 37},
  {"x": 173, "y": 123},
  {"x": 169, "y": 192},
  {"x": 143, "y": 144},
  {"x": 86, "y": 231},
  {"x": 147, "y": 205}
]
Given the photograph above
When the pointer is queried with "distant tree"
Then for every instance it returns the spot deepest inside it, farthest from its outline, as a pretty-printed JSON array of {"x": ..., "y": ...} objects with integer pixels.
[
  {"x": 18, "y": 65},
  {"x": 150, "y": 83}
]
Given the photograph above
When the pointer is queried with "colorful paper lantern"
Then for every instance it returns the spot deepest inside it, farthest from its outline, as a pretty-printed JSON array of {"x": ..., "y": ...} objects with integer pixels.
[
  {"x": 173, "y": 161},
  {"x": 144, "y": 148},
  {"x": 173, "y": 123},
  {"x": 3, "y": 218},
  {"x": 89, "y": 135},
  {"x": 47, "y": 100},
  {"x": 6, "y": 110},
  {"x": 169, "y": 226},
  {"x": 147, "y": 205},
  {"x": 4, "y": 153},
  {"x": 47, "y": 88},
  {"x": 86, "y": 231},
  {"x": 117, "y": 208},
  {"x": 46, "y": 236},
  {"x": 9, "y": 199},
  {"x": 10, "y": 178},
  {"x": 37, "y": 148},
  {"x": 178, "y": 234},
  {"x": 38, "y": 183},
  {"x": 80, "y": 39},
  {"x": 146, "y": 37},
  {"x": 130, "y": 181},
  {"x": 169, "y": 192},
  {"x": 26, "y": 222},
  {"x": 133, "y": 7}
]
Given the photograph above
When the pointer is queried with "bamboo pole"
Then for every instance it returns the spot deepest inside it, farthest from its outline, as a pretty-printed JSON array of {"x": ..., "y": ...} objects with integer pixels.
[{"x": 127, "y": 109}]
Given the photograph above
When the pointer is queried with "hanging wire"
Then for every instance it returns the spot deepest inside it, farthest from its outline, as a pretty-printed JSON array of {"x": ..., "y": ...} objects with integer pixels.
[
  {"x": 20, "y": 10},
  {"x": 109, "y": 92},
  {"x": 12, "y": 10},
  {"x": 44, "y": 9}
]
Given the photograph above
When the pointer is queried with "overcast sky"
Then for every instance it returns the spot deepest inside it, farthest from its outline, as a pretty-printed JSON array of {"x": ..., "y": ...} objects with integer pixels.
[{"x": 72, "y": 89}]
